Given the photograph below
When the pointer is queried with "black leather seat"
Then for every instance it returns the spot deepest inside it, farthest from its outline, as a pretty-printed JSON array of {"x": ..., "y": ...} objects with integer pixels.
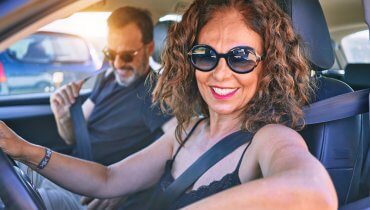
[
  {"x": 337, "y": 144},
  {"x": 357, "y": 75},
  {"x": 160, "y": 35}
]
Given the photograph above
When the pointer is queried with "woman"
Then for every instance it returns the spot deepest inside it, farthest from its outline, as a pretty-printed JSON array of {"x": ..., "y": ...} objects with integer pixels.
[{"x": 238, "y": 64}]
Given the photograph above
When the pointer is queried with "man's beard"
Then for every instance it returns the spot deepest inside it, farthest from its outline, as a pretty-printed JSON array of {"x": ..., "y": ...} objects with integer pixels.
[
  {"x": 136, "y": 72},
  {"x": 128, "y": 80}
]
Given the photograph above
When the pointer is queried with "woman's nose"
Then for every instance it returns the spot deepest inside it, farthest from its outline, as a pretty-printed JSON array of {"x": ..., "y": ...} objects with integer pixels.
[{"x": 222, "y": 70}]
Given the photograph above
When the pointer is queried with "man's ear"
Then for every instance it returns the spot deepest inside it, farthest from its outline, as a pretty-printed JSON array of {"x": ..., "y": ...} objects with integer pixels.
[{"x": 150, "y": 48}]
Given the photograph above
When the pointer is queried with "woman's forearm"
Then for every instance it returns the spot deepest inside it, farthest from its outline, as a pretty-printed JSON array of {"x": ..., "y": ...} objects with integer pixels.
[
  {"x": 284, "y": 191},
  {"x": 88, "y": 177}
]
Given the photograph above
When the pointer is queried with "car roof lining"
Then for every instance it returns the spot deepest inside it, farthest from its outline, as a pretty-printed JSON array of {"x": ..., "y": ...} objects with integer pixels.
[
  {"x": 157, "y": 9},
  {"x": 339, "y": 25},
  {"x": 10, "y": 33}
]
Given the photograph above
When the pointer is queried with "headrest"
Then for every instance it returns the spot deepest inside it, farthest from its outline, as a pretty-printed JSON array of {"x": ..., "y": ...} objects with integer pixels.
[
  {"x": 309, "y": 21},
  {"x": 357, "y": 75},
  {"x": 159, "y": 36}
]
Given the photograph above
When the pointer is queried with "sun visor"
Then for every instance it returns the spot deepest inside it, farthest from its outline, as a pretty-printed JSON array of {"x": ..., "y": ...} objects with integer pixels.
[
  {"x": 309, "y": 21},
  {"x": 367, "y": 13}
]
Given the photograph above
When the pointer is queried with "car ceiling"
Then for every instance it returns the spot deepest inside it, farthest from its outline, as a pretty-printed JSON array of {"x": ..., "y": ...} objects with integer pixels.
[
  {"x": 158, "y": 8},
  {"x": 343, "y": 16}
]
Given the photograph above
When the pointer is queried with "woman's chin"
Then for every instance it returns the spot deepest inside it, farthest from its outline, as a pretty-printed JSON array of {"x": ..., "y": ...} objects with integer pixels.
[{"x": 224, "y": 110}]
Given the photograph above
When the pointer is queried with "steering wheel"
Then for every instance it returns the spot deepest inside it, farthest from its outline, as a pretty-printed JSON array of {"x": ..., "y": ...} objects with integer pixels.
[{"x": 17, "y": 192}]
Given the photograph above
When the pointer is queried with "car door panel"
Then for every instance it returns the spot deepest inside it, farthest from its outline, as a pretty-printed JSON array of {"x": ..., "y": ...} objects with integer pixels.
[
  {"x": 36, "y": 124},
  {"x": 33, "y": 120}
]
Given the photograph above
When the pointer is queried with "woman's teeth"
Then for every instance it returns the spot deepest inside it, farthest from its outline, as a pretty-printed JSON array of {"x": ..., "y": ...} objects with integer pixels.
[{"x": 223, "y": 91}]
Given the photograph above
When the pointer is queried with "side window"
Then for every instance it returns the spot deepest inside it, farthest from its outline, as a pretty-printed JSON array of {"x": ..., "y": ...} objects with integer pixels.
[
  {"x": 70, "y": 50},
  {"x": 31, "y": 49},
  {"x": 356, "y": 47},
  {"x": 356, "y": 50},
  {"x": 65, "y": 50},
  {"x": 45, "y": 61}
]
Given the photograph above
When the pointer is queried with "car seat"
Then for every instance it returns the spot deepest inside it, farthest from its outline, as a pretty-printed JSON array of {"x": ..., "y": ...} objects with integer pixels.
[
  {"x": 357, "y": 75},
  {"x": 337, "y": 144},
  {"x": 159, "y": 35}
]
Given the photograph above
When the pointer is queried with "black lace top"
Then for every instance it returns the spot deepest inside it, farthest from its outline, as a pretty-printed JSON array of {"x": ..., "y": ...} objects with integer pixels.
[{"x": 229, "y": 180}]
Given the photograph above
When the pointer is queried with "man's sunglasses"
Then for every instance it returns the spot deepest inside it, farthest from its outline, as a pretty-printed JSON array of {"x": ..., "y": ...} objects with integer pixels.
[
  {"x": 126, "y": 56},
  {"x": 240, "y": 59}
]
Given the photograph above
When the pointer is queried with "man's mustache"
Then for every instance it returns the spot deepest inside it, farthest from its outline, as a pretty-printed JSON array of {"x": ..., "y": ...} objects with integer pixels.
[{"x": 126, "y": 68}]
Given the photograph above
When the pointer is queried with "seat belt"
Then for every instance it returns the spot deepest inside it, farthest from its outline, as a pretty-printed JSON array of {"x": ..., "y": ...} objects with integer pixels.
[
  {"x": 81, "y": 134},
  {"x": 334, "y": 108},
  {"x": 80, "y": 131},
  {"x": 199, "y": 167},
  {"x": 337, "y": 107}
]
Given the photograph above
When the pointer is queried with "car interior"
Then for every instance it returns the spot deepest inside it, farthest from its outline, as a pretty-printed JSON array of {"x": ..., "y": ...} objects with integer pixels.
[{"x": 342, "y": 145}]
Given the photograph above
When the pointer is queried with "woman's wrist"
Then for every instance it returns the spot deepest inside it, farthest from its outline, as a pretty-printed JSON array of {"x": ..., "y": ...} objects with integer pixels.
[{"x": 34, "y": 154}]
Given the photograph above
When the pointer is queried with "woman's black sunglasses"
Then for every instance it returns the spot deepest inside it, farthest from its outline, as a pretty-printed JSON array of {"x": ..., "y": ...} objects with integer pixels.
[{"x": 240, "y": 59}]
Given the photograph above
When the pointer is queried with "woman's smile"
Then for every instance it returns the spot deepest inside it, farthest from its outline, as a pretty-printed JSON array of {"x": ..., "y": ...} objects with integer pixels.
[{"x": 223, "y": 93}]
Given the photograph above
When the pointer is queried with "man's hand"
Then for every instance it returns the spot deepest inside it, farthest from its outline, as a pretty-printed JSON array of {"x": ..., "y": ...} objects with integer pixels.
[
  {"x": 102, "y": 204},
  {"x": 64, "y": 97}
]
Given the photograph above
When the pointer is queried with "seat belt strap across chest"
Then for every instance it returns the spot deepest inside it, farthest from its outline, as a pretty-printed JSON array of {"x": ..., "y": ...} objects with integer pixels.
[
  {"x": 81, "y": 133},
  {"x": 199, "y": 167}
]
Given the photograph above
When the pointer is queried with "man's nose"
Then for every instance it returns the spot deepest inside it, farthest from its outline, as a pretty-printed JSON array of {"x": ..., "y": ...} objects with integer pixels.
[{"x": 118, "y": 62}]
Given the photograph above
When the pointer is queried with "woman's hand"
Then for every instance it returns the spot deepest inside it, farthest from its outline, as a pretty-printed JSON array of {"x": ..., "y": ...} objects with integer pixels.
[{"x": 11, "y": 143}]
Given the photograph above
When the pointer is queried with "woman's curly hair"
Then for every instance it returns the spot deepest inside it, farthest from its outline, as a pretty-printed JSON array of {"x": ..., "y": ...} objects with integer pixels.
[{"x": 284, "y": 85}]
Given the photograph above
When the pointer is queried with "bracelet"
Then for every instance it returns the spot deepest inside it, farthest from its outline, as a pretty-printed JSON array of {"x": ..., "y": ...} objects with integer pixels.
[{"x": 45, "y": 159}]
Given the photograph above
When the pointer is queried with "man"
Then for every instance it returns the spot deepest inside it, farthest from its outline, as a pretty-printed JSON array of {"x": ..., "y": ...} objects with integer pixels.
[
  {"x": 119, "y": 121},
  {"x": 119, "y": 113}
]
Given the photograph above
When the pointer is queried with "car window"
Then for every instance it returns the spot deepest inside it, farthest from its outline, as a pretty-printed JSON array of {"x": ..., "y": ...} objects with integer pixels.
[
  {"x": 30, "y": 50},
  {"x": 55, "y": 55},
  {"x": 70, "y": 49},
  {"x": 356, "y": 47},
  {"x": 48, "y": 48}
]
